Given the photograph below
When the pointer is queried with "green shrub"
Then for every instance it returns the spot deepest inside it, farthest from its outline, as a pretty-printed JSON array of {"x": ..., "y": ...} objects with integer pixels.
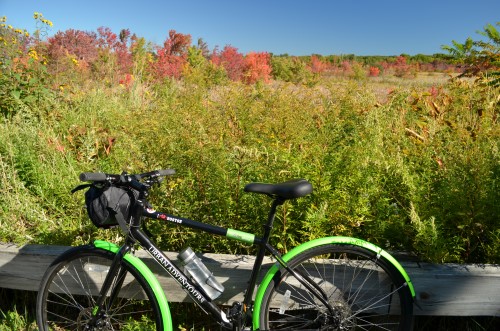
[
  {"x": 417, "y": 173},
  {"x": 291, "y": 69}
]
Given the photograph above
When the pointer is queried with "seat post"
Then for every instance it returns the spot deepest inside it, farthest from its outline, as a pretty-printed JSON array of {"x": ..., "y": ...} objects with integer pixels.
[
  {"x": 261, "y": 252},
  {"x": 270, "y": 219}
]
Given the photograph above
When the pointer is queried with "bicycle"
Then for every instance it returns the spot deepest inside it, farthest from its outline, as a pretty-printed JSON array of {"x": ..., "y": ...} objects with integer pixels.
[{"x": 332, "y": 283}]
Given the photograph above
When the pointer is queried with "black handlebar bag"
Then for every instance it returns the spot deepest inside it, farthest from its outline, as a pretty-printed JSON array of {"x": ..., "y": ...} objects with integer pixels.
[{"x": 110, "y": 206}]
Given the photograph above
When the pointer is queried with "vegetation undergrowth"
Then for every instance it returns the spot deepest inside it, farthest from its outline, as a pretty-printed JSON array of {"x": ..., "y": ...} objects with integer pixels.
[{"x": 417, "y": 173}]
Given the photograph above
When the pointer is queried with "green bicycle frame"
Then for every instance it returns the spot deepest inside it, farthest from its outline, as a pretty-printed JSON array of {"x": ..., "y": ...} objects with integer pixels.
[{"x": 247, "y": 237}]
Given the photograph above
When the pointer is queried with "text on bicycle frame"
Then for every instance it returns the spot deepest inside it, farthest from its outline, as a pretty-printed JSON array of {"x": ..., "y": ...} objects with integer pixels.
[{"x": 172, "y": 270}]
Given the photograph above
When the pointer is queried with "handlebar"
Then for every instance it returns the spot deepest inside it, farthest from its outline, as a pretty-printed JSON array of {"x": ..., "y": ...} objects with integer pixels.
[
  {"x": 102, "y": 177},
  {"x": 126, "y": 179}
]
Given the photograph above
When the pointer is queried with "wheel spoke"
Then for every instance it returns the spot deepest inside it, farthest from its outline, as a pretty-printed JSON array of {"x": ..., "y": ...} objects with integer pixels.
[
  {"x": 71, "y": 288},
  {"x": 361, "y": 289}
]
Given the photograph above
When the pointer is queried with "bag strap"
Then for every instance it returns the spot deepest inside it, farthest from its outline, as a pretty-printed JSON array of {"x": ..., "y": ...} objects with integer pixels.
[
  {"x": 80, "y": 187},
  {"x": 122, "y": 223},
  {"x": 120, "y": 218}
]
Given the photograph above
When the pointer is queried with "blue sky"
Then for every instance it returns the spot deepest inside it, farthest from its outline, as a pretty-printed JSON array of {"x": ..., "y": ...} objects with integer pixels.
[{"x": 295, "y": 27}]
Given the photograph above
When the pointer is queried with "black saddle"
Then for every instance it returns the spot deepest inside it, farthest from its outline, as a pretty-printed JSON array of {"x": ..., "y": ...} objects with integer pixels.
[{"x": 292, "y": 189}]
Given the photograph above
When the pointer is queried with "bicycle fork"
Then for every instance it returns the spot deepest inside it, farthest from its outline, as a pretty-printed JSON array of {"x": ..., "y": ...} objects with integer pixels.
[{"x": 114, "y": 281}]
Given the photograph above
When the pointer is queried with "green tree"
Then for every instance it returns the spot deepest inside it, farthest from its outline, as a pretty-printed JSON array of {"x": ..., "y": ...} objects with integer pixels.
[
  {"x": 290, "y": 69},
  {"x": 142, "y": 56},
  {"x": 481, "y": 57},
  {"x": 202, "y": 71}
]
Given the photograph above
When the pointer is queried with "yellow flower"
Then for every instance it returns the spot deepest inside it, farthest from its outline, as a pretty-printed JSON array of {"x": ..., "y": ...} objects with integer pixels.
[
  {"x": 33, "y": 54},
  {"x": 47, "y": 22}
]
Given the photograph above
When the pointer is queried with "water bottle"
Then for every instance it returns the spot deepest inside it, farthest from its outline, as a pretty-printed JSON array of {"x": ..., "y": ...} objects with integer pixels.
[{"x": 199, "y": 272}]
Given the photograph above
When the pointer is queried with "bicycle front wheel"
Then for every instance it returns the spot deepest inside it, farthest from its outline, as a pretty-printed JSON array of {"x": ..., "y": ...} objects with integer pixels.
[
  {"x": 70, "y": 288},
  {"x": 363, "y": 291}
]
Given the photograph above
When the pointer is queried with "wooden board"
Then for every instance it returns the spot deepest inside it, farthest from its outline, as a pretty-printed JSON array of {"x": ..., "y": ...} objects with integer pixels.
[{"x": 442, "y": 290}]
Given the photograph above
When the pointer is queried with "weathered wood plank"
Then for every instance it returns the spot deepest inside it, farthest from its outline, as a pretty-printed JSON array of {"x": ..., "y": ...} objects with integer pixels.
[
  {"x": 442, "y": 290},
  {"x": 456, "y": 290},
  {"x": 23, "y": 268}
]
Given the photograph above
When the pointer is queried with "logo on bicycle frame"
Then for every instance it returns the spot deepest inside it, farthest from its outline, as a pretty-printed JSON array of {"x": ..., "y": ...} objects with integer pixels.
[
  {"x": 171, "y": 269},
  {"x": 169, "y": 218}
]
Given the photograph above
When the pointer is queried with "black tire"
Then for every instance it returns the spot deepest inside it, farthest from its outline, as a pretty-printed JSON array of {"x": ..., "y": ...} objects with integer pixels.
[
  {"x": 365, "y": 292},
  {"x": 71, "y": 285}
]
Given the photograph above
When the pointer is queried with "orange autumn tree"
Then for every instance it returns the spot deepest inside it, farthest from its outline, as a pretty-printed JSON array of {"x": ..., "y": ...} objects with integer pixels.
[
  {"x": 317, "y": 66},
  {"x": 257, "y": 67}
]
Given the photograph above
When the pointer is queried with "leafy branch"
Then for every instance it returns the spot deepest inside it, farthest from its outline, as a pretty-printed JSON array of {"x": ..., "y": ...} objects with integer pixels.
[{"x": 481, "y": 58}]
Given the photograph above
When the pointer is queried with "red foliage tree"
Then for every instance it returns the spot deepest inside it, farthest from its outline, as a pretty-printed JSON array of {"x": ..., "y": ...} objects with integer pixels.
[
  {"x": 317, "y": 66},
  {"x": 117, "y": 46},
  {"x": 257, "y": 67},
  {"x": 123, "y": 52},
  {"x": 373, "y": 71},
  {"x": 81, "y": 45},
  {"x": 107, "y": 39},
  {"x": 172, "y": 57},
  {"x": 231, "y": 60},
  {"x": 177, "y": 43},
  {"x": 347, "y": 69},
  {"x": 168, "y": 65},
  {"x": 401, "y": 67}
]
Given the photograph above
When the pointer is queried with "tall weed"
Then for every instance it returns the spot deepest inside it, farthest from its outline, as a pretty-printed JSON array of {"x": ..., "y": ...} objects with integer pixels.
[{"x": 372, "y": 165}]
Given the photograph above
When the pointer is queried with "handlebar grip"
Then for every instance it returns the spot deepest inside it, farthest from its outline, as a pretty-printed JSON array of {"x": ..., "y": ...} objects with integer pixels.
[
  {"x": 166, "y": 172},
  {"x": 93, "y": 177}
]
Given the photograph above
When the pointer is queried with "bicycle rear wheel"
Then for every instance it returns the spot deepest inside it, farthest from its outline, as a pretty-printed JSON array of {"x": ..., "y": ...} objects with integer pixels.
[
  {"x": 70, "y": 288},
  {"x": 364, "y": 292}
]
